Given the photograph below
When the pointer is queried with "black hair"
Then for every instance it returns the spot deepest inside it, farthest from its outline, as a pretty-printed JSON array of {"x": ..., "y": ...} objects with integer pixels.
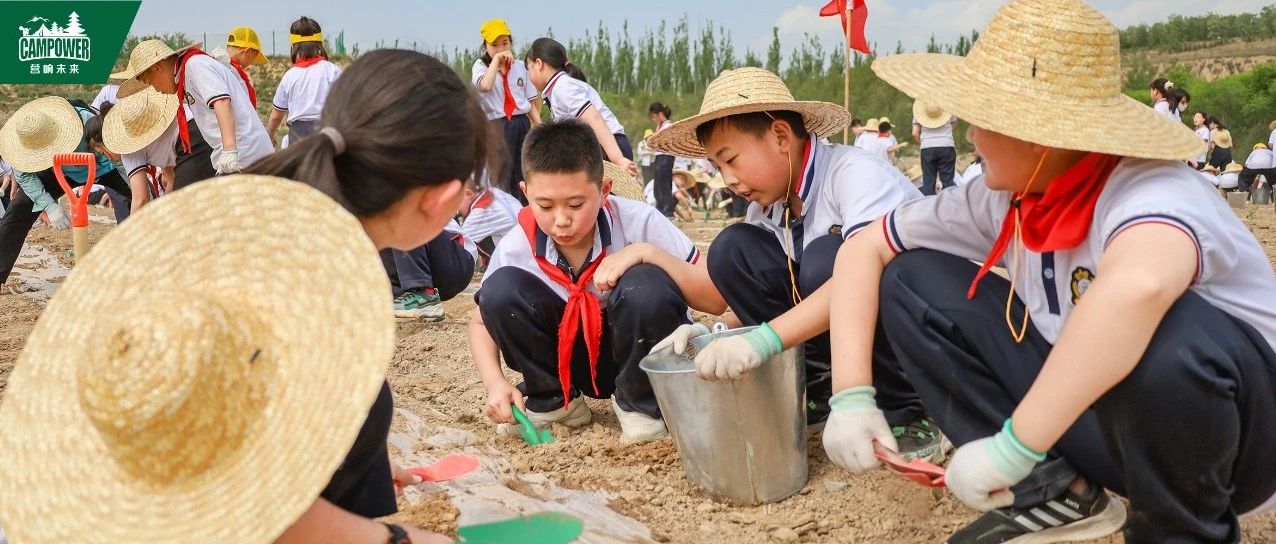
[
  {"x": 551, "y": 52},
  {"x": 1173, "y": 96},
  {"x": 657, "y": 107},
  {"x": 857, "y": 122},
  {"x": 306, "y": 26},
  {"x": 407, "y": 120},
  {"x": 756, "y": 124},
  {"x": 93, "y": 127},
  {"x": 486, "y": 58},
  {"x": 563, "y": 147},
  {"x": 1211, "y": 120},
  {"x": 883, "y": 127}
]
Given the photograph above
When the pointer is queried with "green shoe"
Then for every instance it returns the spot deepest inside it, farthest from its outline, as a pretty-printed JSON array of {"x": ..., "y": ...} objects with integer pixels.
[
  {"x": 917, "y": 440},
  {"x": 419, "y": 304}
]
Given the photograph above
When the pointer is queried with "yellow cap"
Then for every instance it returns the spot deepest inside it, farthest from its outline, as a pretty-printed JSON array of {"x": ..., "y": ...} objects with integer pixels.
[
  {"x": 1260, "y": 146},
  {"x": 246, "y": 37},
  {"x": 647, "y": 134},
  {"x": 493, "y": 29}
]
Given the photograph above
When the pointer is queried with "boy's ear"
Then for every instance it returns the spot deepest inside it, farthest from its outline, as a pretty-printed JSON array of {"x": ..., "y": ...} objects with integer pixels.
[
  {"x": 522, "y": 186},
  {"x": 606, "y": 186},
  {"x": 783, "y": 133}
]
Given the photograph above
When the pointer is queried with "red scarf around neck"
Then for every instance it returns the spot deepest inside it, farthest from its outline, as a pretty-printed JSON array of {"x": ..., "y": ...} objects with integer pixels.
[
  {"x": 308, "y": 61},
  {"x": 248, "y": 82},
  {"x": 582, "y": 311},
  {"x": 1057, "y": 219}
]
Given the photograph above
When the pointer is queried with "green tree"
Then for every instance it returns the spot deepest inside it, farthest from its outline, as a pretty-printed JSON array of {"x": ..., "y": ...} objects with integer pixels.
[{"x": 773, "y": 53}]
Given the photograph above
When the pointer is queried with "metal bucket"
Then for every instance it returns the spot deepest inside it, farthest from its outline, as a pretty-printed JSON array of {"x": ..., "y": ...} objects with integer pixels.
[
  {"x": 1261, "y": 194},
  {"x": 743, "y": 441}
]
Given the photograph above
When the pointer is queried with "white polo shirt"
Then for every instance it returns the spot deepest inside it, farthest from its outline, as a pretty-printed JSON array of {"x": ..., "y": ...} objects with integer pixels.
[
  {"x": 1163, "y": 107},
  {"x": 621, "y": 222},
  {"x": 880, "y": 147},
  {"x": 303, "y": 91},
  {"x": 1233, "y": 274},
  {"x": 973, "y": 171},
  {"x": 862, "y": 139},
  {"x": 161, "y": 153},
  {"x": 109, "y": 93},
  {"x": 1258, "y": 159},
  {"x": 493, "y": 100},
  {"x": 1203, "y": 132},
  {"x": 208, "y": 81},
  {"x": 569, "y": 98},
  {"x": 493, "y": 214},
  {"x": 937, "y": 137},
  {"x": 843, "y": 189}
]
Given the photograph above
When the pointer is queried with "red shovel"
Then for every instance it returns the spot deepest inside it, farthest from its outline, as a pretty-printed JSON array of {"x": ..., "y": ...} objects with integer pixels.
[
  {"x": 924, "y": 473},
  {"x": 448, "y": 468},
  {"x": 80, "y": 204}
]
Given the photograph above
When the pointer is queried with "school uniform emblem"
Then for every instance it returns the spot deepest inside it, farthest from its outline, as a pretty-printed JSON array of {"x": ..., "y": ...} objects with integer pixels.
[
  {"x": 1081, "y": 280},
  {"x": 519, "y": 82}
]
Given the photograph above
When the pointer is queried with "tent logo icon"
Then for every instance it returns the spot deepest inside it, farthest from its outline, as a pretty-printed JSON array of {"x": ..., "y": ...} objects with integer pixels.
[{"x": 44, "y": 39}]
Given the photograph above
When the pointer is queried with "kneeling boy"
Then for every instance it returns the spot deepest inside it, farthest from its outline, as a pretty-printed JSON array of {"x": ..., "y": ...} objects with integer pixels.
[{"x": 581, "y": 289}]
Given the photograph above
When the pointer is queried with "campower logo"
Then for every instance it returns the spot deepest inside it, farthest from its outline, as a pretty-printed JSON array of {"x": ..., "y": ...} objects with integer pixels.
[{"x": 59, "y": 41}]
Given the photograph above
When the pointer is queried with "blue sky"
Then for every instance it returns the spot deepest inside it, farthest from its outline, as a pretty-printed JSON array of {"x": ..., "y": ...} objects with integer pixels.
[{"x": 432, "y": 23}]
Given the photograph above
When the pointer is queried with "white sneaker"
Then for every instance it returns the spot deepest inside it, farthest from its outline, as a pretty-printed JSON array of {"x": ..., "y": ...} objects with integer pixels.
[
  {"x": 576, "y": 414},
  {"x": 637, "y": 427}
]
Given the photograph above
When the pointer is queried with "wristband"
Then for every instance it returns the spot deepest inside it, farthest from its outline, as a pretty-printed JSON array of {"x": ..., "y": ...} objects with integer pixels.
[
  {"x": 857, "y": 398},
  {"x": 765, "y": 341}
]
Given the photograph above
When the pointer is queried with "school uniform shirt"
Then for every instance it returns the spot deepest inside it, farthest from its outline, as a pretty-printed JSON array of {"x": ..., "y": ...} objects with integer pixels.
[
  {"x": 493, "y": 100},
  {"x": 109, "y": 93},
  {"x": 208, "y": 81},
  {"x": 1232, "y": 273},
  {"x": 1163, "y": 107},
  {"x": 1271, "y": 141},
  {"x": 160, "y": 153},
  {"x": 303, "y": 91},
  {"x": 1203, "y": 132},
  {"x": 1259, "y": 159},
  {"x": 938, "y": 137},
  {"x": 569, "y": 98},
  {"x": 666, "y": 124},
  {"x": 843, "y": 189},
  {"x": 973, "y": 171},
  {"x": 649, "y": 191},
  {"x": 880, "y": 147},
  {"x": 862, "y": 139},
  {"x": 621, "y": 222},
  {"x": 493, "y": 214},
  {"x": 455, "y": 231},
  {"x": 1210, "y": 178}
]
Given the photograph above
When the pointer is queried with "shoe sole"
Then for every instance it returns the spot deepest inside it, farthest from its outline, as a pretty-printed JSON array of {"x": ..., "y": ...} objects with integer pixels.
[
  {"x": 1110, "y": 520},
  {"x": 572, "y": 422},
  {"x": 422, "y": 315}
]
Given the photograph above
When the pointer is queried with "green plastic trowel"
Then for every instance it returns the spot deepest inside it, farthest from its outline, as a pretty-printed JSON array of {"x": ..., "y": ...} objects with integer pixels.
[
  {"x": 529, "y": 432},
  {"x": 543, "y": 528}
]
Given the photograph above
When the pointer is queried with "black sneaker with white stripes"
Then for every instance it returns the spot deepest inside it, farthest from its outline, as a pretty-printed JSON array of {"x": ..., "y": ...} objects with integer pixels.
[{"x": 1068, "y": 518}]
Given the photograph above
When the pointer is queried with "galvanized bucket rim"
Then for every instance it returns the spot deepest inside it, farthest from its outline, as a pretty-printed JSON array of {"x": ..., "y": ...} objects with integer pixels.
[{"x": 688, "y": 357}]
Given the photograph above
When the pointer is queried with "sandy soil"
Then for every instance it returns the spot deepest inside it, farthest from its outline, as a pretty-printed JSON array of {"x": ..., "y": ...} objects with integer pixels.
[{"x": 432, "y": 377}]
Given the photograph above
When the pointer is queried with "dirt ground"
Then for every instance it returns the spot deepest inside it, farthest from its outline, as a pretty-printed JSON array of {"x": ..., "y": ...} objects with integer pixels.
[{"x": 433, "y": 378}]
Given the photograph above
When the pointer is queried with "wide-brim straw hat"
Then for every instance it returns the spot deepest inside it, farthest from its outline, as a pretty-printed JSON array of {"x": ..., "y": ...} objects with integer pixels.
[
  {"x": 145, "y": 54},
  {"x": 138, "y": 119},
  {"x": 40, "y": 129},
  {"x": 747, "y": 90},
  {"x": 623, "y": 184},
  {"x": 871, "y": 125},
  {"x": 210, "y": 406},
  {"x": 914, "y": 172},
  {"x": 1046, "y": 72},
  {"x": 929, "y": 115},
  {"x": 1223, "y": 139},
  {"x": 1233, "y": 167},
  {"x": 717, "y": 182}
]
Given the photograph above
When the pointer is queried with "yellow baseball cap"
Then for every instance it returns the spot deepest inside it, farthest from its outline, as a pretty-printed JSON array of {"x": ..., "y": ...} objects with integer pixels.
[
  {"x": 493, "y": 29},
  {"x": 1260, "y": 146},
  {"x": 246, "y": 37}
]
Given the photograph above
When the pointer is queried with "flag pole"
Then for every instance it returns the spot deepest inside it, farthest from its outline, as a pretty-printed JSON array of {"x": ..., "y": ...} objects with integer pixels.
[{"x": 846, "y": 68}]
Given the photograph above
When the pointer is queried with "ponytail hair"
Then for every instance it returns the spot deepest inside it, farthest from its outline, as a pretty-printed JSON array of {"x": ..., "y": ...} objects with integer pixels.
[
  {"x": 1163, "y": 86},
  {"x": 657, "y": 107},
  {"x": 552, "y": 53},
  {"x": 407, "y": 121},
  {"x": 93, "y": 127},
  {"x": 306, "y": 26}
]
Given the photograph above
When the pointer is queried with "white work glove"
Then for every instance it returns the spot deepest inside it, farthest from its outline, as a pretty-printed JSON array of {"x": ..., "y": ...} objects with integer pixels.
[
  {"x": 730, "y": 357},
  {"x": 228, "y": 162},
  {"x": 981, "y": 472},
  {"x": 57, "y": 217},
  {"x": 853, "y": 424},
  {"x": 681, "y": 337}
]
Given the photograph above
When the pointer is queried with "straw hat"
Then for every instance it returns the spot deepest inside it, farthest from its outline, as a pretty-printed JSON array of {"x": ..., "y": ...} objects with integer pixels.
[
  {"x": 39, "y": 130},
  {"x": 1233, "y": 167},
  {"x": 145, "y": 54},
  {"x": 209, "y": 407},
  {"x": 138, "y": 119},
  {"x": 1260, "y": 145},
  {"x": 914, "y": 172},
  {"x": 881, "y": 121},
  {"x": 1210, "y": 168},
  {"x": 929, "y": 115},
  {"x": 623, "y": 184},
  {"x": 747, "y": 90},
  {"x": 871, "y": 124},
  {"x": 1223, "y": 139},
  {"x": 1047, "y": 72},
  {"x": 717, "y": 182},
  {"x": 693, "y": 176}
]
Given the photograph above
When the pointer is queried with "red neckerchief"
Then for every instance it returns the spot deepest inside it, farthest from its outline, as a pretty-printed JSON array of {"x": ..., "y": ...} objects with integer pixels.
[
  {"x": 252, "y": 93},
  {"x": 1057, "y": 219},
  {"x": 582, "y": 311},
  {"x": 510, "y": 105},
  {"x": 483, "y": 200},
  {"x": 183, "y": 131},
  {"x": 308, "y": 61}
]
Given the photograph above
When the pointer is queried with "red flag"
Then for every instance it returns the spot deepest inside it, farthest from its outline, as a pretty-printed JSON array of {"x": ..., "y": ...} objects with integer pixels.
[{"x": 858, "y": 16}]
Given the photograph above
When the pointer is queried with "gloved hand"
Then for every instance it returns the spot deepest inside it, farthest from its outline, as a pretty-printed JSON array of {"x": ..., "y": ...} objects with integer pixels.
[
  {"x": 729, "y": 358},
  {"x": 228, "y": 162},
  {"x": 57, "y": 217},
  {"x": 981, "y": 472},
  {"x": 854, "y": 423},
  {"x": 681, "y": 337}
]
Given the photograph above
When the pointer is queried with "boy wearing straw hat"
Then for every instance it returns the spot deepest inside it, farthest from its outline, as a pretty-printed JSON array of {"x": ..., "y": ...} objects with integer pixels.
[
  {"x": 1260, "y": 162},
  {"x": 216, "y": 97},
  {"x": 806, "y": 198},
  {"x": 867, "y": 134},
  {"x": 933, "y": 132},
  {"x": 578, "y": 293},
  {"x": 1131, "y": 348},
  {"x": 28, "y": 142},
  {"x": 142, "y": 130}
]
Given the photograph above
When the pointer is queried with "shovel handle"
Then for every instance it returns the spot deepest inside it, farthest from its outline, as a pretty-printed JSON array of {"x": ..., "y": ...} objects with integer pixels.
[{"x": 80, "y": 204}]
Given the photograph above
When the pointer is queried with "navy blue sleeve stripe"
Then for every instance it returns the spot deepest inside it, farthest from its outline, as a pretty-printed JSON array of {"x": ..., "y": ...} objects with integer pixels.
[
  {"x": 847, "y": 233},
  {"x": 216, "y": 98}
]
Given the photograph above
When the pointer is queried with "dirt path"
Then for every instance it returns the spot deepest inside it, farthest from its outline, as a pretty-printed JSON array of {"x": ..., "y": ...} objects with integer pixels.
[{"x": 432, "y": 377}]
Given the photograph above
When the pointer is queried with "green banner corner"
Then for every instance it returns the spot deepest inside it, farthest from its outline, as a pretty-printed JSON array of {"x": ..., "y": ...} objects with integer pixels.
[{"x": 60, "y": 41}]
